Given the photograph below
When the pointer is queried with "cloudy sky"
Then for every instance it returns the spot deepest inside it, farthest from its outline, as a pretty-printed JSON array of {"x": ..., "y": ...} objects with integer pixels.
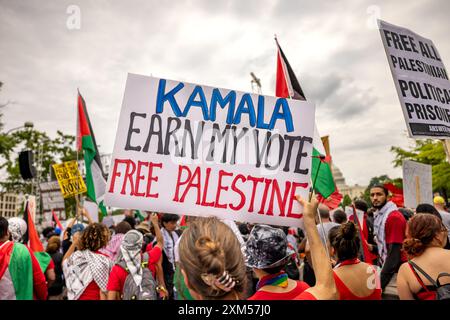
[{"x": 333, "y": 47}]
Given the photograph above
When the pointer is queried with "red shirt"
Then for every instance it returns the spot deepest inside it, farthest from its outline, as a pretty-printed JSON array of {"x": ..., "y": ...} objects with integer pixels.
[
  {"x": 264, "y": 295},
  {"x": 426, "y": 292},
  {"x": 50, "y": 266},
  {"x": 154, "y": 254},
  {"x": 346, "y": 294},
  {"x": 118, "y": 274},
  {"x": 116, "y": 279},
  {"x": 305, "y": 295},
  {"x": 395, "y": 230},
  {"x": 92, "y": 291}
]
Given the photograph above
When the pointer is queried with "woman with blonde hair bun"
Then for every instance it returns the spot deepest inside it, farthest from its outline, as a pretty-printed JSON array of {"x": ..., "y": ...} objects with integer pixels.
[
  {"x": 211, "y": 261},
  {"x": 428, "y": 261}
]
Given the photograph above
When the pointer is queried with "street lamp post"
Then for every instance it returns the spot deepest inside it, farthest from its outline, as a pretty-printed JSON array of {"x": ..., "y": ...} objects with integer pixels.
[{"x": 26, "y": 125}]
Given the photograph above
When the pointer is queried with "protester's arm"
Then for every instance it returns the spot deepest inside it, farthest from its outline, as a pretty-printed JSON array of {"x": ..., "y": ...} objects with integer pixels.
[
  {"x": 103, "y": 295},
  {"x": 325, "y": 287},
  {"x": 404, "y": 292},
  {"x": 113, "y": 295},
  {"x": 50, "y": 275},
  {"x": 160, "y": 278},
  {"x": 158, "y": 234},
  {"x": 86, "y": 214},
  {"x": 69, "y": 227},
  {"x": 393, "y": 260},
  {"x": 72, "y": 247}
]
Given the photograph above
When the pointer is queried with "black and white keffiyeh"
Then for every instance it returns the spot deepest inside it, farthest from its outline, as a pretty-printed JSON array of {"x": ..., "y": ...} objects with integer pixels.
[
  {"x": 83, "y": 267},
  {"x": 130, "y": 253},
  {"x": 381, "y": 217},
  {"x": 17, "y": 227},
  {"x": 170, "y": 239}
]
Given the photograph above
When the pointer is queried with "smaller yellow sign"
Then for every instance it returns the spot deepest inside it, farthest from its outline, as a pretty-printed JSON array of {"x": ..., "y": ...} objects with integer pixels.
[{"x": 69, "y": 178}]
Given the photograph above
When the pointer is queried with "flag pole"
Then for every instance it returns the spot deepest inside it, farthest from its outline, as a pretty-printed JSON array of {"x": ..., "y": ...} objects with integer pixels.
[
  {"x": 317, "y": 173},
  {"x": 318, "y": 212},
  {"x": 359, "y": 224},
  {"x": 77, "y": 200}
]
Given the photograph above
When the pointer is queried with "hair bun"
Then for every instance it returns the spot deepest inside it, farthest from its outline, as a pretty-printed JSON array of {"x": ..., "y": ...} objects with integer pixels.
[
  {"x": 207, "y": 244},
  {"x": 349, "y": 230},
  {"x": 413, "y": 246}
]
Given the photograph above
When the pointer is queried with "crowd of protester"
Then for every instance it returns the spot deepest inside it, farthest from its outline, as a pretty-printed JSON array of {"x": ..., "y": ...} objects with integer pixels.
[{"x": 369, "y": 253}]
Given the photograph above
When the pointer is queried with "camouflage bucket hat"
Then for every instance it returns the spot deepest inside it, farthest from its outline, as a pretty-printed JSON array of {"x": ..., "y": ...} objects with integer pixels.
[{"x": 266, "y": 247}]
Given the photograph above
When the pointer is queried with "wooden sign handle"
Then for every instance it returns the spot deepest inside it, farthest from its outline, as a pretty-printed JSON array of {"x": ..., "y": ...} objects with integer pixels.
[{"x": 418, "y": 200}]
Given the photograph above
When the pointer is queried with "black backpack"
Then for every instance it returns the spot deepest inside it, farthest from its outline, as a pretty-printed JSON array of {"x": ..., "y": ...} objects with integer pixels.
[
  {"x": 147, "y": 290},
  {"x": 442, "y": 291}
]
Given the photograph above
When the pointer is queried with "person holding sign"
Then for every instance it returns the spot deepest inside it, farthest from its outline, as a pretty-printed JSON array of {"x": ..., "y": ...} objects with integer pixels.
[
  {"x": 325, "y": 287},
  {"x": 389, "y": 227},
  {"x": 87, "y": 270}
]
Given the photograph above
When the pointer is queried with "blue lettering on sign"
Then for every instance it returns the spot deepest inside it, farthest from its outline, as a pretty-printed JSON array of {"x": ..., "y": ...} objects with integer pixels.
[
  {"x": 250, "y": 110},
  {"x": 197, "y": 98},
  {"x": 169, "y": 96},
  {"x": 197, "y": 103},
  {"x": 286, "y": 114},
  {"x": 217, "y": 98},
  {"x": 260, "y": 122}
]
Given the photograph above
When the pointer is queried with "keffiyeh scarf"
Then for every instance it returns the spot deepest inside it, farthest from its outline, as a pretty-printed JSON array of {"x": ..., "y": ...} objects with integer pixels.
[
  {"x": 83, "y": 267},
  {"x": 16, "y": 231},
  {"x": 113, "y": 246},
  {"x": 170, "y": 239},
  {"x": 130, "y": 253},
  {"x": 379, "y": 227}
]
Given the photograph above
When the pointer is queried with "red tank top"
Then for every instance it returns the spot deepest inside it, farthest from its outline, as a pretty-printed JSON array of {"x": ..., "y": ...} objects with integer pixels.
[
  {"x": 426, "y": 292},
  {"x": 344, "y": 291}
]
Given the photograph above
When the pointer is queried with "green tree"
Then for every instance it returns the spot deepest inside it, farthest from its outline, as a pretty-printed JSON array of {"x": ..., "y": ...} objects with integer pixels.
[
  {"x": 49, "y": 150},
  {"x": 430, "y": 152},
  {"x": 380, "y": 180},
  {"x": 346, "y": 201}
]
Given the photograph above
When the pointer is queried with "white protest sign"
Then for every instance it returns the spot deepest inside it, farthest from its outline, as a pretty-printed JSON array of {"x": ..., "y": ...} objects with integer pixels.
[
  {"x": 417, "y": 183},
  {"x": 421, "y": 80},
  {"x": 52, "y": 198},
  {"x": 197, "y": 150},
  {"x": 92, "y": 209}
]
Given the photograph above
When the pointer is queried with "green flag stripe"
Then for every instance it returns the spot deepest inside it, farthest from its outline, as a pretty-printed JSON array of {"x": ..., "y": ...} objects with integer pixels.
[
  {"x": 89, "y": 155},
  {"x": 322, "y": 175},
  {"x": 21, "y": 271}
]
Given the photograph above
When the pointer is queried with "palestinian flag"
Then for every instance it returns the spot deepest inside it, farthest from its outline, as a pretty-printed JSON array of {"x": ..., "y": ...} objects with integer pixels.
[
  {"x": 57, "y": 222},
  {"x": 16, "y": 268},
  {"x": 287, "y": 86},
  {"x": 95, "y": 178},
  {"x": 139, "y": 215},
  {"x": 31, "y": 238}
]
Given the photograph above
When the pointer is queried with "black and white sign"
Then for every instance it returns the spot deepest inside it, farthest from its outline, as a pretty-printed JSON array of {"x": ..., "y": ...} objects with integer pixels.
[{"x": 421, "y": 80}]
